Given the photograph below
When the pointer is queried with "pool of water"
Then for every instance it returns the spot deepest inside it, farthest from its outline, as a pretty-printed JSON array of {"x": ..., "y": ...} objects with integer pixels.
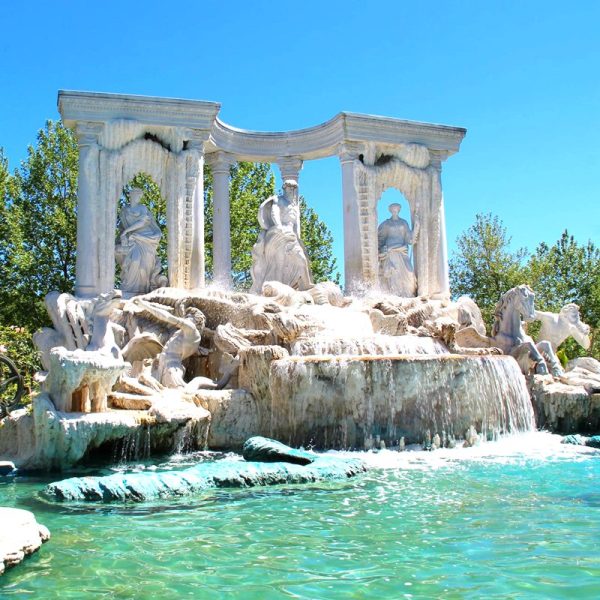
[{"x": 512, "y": 519}]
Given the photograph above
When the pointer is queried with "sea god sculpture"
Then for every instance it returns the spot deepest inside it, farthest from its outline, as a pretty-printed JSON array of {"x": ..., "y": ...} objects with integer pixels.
[
  {"x": 140, "y": 235},
  {"x": 279, "y": 255},
  {"x": 396, "y": 273}
]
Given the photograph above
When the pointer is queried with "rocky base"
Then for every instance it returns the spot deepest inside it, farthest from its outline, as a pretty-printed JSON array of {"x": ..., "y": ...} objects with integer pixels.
[
  {"x": 564, "y": 408},
  {"x": 20, "y": 536},
  {"x": 46, "y": 439},
  {"x": 139, "y": 487}
]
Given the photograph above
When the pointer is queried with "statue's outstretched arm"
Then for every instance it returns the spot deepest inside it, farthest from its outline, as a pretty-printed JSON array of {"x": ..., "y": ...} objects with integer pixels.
[{"x": 159, "y": 313}]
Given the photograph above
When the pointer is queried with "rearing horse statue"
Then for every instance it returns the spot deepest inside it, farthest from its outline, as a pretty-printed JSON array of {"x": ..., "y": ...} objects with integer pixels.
[{"x": 510, "y": 336}]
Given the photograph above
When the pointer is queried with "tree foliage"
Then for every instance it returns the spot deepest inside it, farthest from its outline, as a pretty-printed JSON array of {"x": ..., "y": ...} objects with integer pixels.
[
  {"x": 568, "y": 272},
  {"x": 483, "y": 266},
  {"x": 37, "y": 249}
]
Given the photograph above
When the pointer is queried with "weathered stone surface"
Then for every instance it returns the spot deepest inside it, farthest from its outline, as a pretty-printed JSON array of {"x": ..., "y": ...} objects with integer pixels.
[
  {"x": 580, "y": 440},
  {"x": 344, "y": 401},
  {"x": 262, "y": 449},
  {"x": 49, "y": 439},
  {"x": 234, "y": 417},
  {"x": 139, "y": 487},
  {"x": 20, "y": 536},
  {"x": 564, "y": 408}
]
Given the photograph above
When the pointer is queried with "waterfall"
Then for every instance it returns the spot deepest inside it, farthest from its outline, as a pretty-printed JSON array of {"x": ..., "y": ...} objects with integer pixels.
[{"x": 346, "y": 401}]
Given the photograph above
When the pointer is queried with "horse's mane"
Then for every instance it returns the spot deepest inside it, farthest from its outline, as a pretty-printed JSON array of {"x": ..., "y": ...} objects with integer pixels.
[{"x": 504, "y": 303}]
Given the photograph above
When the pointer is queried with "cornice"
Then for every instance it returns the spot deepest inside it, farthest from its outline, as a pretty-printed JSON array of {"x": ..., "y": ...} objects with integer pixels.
[
  {"x": 95, "y": 106},
  {"x": 320, "y": 141}
]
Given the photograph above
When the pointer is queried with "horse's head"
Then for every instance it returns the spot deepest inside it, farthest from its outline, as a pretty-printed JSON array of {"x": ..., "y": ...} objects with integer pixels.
[
  {"x": 523, "y": 298},
  {"x": 577, "y": 328}
]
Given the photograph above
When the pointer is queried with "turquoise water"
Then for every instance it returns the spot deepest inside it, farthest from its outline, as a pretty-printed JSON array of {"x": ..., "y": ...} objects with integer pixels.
[{"x": 512, "y": 519}]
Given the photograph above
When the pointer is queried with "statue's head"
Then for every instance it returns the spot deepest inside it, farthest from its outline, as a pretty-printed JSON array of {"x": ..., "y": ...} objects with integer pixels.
[
  {"x": 135, "y": 196},
  {"x": 395, "y": 208},
  {"x": 290, "y": 190}
]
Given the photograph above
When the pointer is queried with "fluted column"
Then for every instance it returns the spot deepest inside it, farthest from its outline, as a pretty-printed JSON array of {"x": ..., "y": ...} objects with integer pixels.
[
  {"x": 442, "y": 285},
  {"x": 195, "y": 181},
  {"x": 353, "y": 259},
  {"x": 220, "y": 164},
  {"x": 90, "y": 216}
]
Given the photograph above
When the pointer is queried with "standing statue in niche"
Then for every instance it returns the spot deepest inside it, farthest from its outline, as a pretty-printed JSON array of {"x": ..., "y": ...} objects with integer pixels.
[
  {"x": 137, "y": 252},
  {"x": 396, "y": 273},
  {"x": 279, "y": 255}
]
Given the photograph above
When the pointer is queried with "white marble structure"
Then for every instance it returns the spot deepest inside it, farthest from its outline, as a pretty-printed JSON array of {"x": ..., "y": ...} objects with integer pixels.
[
  {"x": 278, "y": 254},
  {"x": 395, "y": 237},
  {"x": 170, "y": 139}
]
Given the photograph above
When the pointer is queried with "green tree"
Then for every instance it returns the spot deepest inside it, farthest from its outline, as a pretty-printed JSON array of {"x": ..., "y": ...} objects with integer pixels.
[
  {"x": 318, "y": 241},
  {"x": 37, "y": 252},
  {"x": 568, "y": 272},
  {"x": 483, "y": 266}
]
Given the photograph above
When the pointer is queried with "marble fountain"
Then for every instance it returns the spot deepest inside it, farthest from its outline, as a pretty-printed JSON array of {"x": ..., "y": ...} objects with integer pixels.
[{"x": 169, "y": 364}]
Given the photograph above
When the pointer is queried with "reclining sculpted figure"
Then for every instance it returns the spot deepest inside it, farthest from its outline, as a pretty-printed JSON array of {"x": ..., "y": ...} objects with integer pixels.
[{"x": 557, "y": 327}]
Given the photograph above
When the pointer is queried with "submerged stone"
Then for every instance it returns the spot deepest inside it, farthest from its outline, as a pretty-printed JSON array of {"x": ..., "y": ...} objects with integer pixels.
[
  {"x": 263, "y": 449},
  {"x": 139, "y": 487},
  {"x": 580, "y": 440}
]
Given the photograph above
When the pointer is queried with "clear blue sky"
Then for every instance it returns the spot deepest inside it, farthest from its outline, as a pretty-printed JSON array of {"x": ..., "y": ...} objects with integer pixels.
[{"x": 522, "y": 76}]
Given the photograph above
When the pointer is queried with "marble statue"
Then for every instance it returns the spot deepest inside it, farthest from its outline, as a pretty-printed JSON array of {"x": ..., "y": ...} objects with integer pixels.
[
  {"x": 182, "y": 344},
  {"x": 509, "y": 335},
  {"x": 557, "y": 327},
  {"x": 396, "y": 273},
  {"x": 137, "y": 252},
  {"x": 279, "y": 255}
]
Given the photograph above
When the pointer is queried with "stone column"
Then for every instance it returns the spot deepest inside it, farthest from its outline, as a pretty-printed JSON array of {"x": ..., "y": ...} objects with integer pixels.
[
  {"x": 439, "y": 257},
  {"x": 90, "y": 216},
  {"x": 353, "y": 259},
  {"x": 220, "y": 163},
  {"x": 195, "y": 180},
  {"x": 289, "y": 168}
]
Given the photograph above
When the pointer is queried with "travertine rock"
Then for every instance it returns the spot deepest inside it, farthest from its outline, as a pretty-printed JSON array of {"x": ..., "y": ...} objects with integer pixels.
[
  {"x": 564, "y": 408},
  {"x": 20, "y": 536}
]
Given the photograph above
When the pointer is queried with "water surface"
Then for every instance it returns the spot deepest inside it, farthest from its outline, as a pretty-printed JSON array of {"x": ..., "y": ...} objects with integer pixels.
[{"x": 511, "y": 519}]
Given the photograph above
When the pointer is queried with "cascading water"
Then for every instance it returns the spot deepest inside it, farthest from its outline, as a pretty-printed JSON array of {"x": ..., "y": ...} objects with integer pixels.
[{"x": 344, "y": 402}]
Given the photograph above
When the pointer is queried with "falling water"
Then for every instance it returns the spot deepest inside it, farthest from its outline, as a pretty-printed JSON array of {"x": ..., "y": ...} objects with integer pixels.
[{"x": 347, "y": 401}]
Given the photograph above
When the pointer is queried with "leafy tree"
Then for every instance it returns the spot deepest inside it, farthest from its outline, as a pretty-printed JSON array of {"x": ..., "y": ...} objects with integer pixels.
[
  {"x": 37, "y": 250},
  {"x": 568, "y": 272},
  {"x": 318, "y": 241},
  {"x": 484, "y": 267}
]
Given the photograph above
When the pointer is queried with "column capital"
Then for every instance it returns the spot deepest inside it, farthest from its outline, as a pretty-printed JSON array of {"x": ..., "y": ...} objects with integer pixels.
[
  {"x": 220, "y": 161},
  {"x": 87, "y": 132},
  {"x": 437, "y": 157},
  {"x": 290, "y": 167},
  {"x": 349, "y": 151},
  {"x": 196, "y": 138}
]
